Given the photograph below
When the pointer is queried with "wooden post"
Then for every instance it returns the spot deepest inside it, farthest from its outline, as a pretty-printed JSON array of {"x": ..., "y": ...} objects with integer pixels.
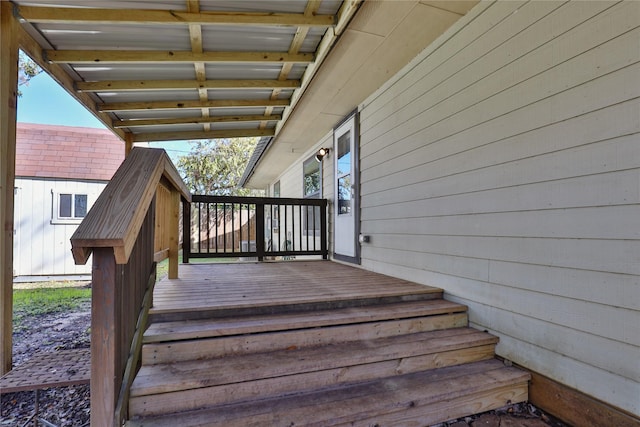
[
  {"x": 186, "y": 230},
  {"x": 8, "y": 103},
  {"x": 128, "y": 143},
  {"x": 173, "y": 217},
  {"x": 105, "y": 327}
]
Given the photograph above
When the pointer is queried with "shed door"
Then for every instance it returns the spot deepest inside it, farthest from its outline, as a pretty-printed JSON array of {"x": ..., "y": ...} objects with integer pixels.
[
  {"x": 346, "y": 208},
  {"x": 17, "y": 220}
]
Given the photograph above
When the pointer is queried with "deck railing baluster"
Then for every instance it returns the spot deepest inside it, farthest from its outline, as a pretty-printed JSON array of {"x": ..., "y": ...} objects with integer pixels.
[{"x": 290, "y": 220}]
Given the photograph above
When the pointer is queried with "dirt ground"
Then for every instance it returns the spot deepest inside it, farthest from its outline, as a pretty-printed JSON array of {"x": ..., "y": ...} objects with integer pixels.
[
  {"x": 63, "y": 406},
  {"x": 70, "y": 406}
]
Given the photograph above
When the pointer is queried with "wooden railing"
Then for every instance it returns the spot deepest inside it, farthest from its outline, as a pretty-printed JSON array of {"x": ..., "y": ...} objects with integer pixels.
[
  {"x": 140, "y": 202},
  {"x": 228, "y": 226}
]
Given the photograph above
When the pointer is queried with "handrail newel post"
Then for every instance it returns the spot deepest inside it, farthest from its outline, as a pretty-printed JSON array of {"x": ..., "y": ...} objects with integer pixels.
[
  {"x": 186, "y": 230},
  {"x": 104, "y": 327},
  {"x": 174, "y": 232},
  {"x": 133, "y": 224}
]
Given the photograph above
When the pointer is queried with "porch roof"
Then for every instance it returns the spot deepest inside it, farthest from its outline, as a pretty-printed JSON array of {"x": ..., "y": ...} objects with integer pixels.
[
  {"x": 183, "y": 69},
  {"x": 284, "y": 70}
]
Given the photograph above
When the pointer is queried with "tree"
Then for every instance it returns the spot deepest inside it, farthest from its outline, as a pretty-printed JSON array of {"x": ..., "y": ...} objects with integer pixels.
[
  {"x": 214, "y": 167},
  {"x": 27, "y": 69}
]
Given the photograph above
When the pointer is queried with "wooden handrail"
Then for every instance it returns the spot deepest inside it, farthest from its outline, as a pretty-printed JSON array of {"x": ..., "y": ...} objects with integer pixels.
[
  {"x": 119, "y": 231},
  {"x": 116, "y": 217}
]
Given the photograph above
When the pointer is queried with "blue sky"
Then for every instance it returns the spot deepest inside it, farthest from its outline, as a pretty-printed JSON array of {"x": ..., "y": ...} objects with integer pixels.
[{"x": 44, "y": 101}]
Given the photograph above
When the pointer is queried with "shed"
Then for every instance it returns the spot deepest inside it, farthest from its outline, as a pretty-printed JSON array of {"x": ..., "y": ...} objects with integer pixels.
[{"x": 60, "y": 172}]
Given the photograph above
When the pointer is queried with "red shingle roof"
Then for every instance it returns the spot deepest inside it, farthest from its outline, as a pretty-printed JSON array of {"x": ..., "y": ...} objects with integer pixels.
[{"x": 51, "y": 151}]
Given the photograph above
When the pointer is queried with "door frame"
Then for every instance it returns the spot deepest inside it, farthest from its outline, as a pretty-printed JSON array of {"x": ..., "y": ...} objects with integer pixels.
[{"x": 353, "y": 116}]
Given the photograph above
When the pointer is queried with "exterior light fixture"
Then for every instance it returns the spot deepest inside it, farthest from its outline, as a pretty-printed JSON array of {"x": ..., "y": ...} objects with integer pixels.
[{"x": 321, "y": 153}]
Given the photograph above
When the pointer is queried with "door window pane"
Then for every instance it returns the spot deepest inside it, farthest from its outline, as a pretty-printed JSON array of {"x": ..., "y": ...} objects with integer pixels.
[
  {"x": 344, "y": 195},
  {"x": 344, "y": 154}
]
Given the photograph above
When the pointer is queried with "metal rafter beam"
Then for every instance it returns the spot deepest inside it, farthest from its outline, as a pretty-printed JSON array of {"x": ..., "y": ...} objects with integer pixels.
[
  {"x": 155, "y": 56},
  {"x": 179, "y": 136},
  {"x": 134, "y": 85},
  {"x": 193, "y": 120},
  {"x": 183, "y": 105},
  {"x": 62, "y": 15}
]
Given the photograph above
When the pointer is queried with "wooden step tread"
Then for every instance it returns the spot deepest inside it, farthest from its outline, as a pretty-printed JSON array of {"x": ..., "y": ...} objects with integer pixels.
[
  {"x": 192, "y": 329},
  {"x": 206, "y": 348},
  {"x": 196, "y": 308},
  {"x": 163, "y": 378},
  {"x": 425, "y": 397}
]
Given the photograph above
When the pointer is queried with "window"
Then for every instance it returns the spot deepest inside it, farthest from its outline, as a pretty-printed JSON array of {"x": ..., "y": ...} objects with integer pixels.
[
  {"x": 312, "y": 189},
  {"x": 276, "y": 189},
  {"x": 312, "y": 179},
  {"x": 69, "y": 208}
]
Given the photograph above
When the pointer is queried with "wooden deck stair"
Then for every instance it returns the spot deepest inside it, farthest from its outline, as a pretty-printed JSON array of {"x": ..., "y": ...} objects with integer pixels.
[{"x": 410, "y": 360}]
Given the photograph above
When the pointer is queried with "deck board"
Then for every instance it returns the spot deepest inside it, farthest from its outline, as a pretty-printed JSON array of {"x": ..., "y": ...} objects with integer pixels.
[{"x": 248, "y": 285}]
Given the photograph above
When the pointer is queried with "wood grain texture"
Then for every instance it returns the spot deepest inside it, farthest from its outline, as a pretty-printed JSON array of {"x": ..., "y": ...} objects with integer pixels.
[
  {"x": 125, "y": 56},
  {"x": 298, "y": 359},
  {"x": 105, "y": 333},
  {"x": 191, "y": 329},
  {"x": 426, "y": 397},
  {"x": 228, "y": 287},
  {"x": 8, "y": 111},
  {"x": 170, "y": 17},
  {"x": 575, "y": 407},
  {"x": 305, "y": 380},
  {"x": 116, "y": 217}
]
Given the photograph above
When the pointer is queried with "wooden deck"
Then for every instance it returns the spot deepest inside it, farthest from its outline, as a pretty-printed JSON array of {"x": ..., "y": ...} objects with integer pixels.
[
  {"x": 312, "y": 343},
  {"x": 243, "y": 288}
]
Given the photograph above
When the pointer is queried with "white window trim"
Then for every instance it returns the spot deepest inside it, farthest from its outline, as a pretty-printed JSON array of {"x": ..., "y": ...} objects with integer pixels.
[{"x": 55, "y": 214}]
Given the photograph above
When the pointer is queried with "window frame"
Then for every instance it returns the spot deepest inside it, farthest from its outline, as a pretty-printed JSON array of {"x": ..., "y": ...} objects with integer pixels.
[
  {"x": 55, "y": 214},
  {"x": 315, "y": 195},
  {"x": 276, "y": 189}
]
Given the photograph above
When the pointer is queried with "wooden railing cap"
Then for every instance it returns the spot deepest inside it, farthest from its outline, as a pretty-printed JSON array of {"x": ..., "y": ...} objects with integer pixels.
[{"x": 116, "y": 217}]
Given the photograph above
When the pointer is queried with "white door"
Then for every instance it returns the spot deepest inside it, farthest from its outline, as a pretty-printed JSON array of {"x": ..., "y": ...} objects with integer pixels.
[{"x": 346, "y": 209}]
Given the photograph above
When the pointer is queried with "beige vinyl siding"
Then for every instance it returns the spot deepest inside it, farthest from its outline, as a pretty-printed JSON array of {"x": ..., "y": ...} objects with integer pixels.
[{"x": 503, "y": 165}]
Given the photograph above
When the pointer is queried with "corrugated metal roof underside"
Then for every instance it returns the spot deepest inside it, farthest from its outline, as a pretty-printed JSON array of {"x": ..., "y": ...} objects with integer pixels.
[{"x": 130, "y": 83}]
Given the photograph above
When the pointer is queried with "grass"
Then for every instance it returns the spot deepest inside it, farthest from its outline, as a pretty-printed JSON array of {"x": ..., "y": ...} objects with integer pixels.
[{"x": 45, "y": 300}]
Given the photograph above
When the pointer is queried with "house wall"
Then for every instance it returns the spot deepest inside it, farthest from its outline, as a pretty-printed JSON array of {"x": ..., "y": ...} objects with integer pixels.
[
  {"x": 41, "y": 246},
  {"x": 503, "y": 165},
  {"x": 291, "y": 179}
]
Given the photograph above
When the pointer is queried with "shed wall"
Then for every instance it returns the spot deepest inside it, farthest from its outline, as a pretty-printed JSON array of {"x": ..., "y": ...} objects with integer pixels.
[
  {"x": 42, "y": 246},
  {"x": 503, "y": 165}
]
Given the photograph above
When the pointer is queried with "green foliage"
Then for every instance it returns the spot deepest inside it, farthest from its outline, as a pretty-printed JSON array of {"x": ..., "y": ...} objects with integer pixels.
[
  {"x": 27, "y": 69},
  {"x": 40, "y": 301},
  {"x": 214, "y": 167}
]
